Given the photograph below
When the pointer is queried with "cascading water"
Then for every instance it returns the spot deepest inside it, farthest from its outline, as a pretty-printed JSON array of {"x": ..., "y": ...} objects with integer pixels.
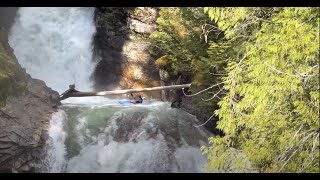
[
  {"x": 142, "y": 138},
  {"x": 54, "y": 45},
  {"x": 98, "y": 134}
]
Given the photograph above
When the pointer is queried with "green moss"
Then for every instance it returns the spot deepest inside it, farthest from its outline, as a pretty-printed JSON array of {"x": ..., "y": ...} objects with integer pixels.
[
  {"x": 135, "y": 13},
  {"x": 140, "y": 38},
  {"x": 11, "y": 78},
  {"x": 162, "y": 61}
]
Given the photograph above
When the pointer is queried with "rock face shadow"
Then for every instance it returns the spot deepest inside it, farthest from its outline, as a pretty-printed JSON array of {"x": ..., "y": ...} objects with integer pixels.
[
  {"x": 121, "y": 49},
  {"x": 7, "y": 16}
]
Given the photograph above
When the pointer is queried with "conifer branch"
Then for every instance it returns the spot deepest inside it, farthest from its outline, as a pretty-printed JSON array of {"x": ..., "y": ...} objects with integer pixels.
[
  {"x": 311, "y": 154},
  {"x": 302, "y": 75},
  {"x": 303, "y": 142}
]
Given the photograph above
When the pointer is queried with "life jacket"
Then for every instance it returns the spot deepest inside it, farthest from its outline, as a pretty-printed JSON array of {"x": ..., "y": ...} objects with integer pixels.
[{"x": 139, "y": 100}]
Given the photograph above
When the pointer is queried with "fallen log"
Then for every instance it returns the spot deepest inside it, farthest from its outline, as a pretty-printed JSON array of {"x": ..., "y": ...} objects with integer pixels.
[{"x": 75, "y": 93}]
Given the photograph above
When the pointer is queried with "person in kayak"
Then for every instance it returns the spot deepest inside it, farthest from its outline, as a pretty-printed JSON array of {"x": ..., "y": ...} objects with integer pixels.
[{"x": 137, "y": 99}]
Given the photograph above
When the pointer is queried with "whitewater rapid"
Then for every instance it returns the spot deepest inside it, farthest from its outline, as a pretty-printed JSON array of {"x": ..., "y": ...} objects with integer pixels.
[
  {"x": 97, "y": 134},
  {"x": 150, "y": 138}
]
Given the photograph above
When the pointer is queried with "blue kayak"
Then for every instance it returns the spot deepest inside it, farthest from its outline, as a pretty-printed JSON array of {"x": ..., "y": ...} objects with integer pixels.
[{"x": 126, "y": 102}]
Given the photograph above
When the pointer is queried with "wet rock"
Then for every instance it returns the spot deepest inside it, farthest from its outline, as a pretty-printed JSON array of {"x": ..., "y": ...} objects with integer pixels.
[
  {"x": 23, "y": 126},
  {"x": 176, "y": 104},
  {"x": 122, "y": 49},
  {"x": 179, "y": 100},
  {"x": 140, "y": 27},
  {"x": 23, "y": 121},
  {"x": 7, "y": 15}
]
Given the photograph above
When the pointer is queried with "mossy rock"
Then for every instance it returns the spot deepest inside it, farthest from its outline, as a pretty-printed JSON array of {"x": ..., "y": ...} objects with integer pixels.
[{"x": 12, "y": 81}]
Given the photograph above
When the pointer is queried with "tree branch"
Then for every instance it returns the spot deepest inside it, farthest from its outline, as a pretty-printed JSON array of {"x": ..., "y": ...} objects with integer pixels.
[
  {"x": 202, "y": 90},
  {"x": 311, "y": 154},
  {"x": 302, "y": 75},
  {"x": 294, "y": 136},
  {"x": 303, "y": 142},
  {"x": 205, "y": 122},
  {"x": 116, "y": 92},
  {"x": 212, "y": 96}
]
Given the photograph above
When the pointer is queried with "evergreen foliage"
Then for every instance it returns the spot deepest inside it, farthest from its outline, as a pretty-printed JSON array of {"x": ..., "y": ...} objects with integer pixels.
[
  {"x": 178, "y": 38},
  {"x": 271, "y": 113},
  {"x": 268, "y": 59}
]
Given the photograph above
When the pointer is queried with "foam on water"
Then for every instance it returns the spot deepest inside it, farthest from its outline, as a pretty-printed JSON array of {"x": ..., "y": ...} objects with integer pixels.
[{"x": 97, "y": 134}]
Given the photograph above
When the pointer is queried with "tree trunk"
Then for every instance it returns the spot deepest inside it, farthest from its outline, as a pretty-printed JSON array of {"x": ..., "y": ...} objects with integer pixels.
[{"x": 105, "y": 93}]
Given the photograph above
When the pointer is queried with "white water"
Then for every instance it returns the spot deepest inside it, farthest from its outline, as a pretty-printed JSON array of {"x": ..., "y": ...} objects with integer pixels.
[
  {"x": 54, "y": 45},
  {"x": 95, "y": 134},
  {"x": 134, "y": 139},
  {"x": 55, "y": 145}
]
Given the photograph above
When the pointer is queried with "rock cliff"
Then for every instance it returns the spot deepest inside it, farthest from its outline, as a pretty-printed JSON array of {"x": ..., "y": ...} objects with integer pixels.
[{"x": 26, "y": 106}]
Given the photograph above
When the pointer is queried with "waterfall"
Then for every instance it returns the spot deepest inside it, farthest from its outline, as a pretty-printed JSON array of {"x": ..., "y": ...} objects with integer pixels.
[{"x": 54, "y": 44}]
